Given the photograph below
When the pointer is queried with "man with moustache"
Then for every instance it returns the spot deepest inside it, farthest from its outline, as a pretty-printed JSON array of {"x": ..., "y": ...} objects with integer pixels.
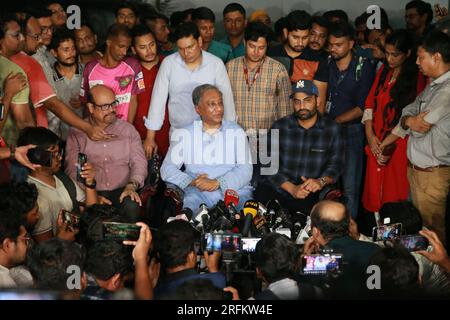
[
  {"x": 120, "y": 163},
  {"x": 67, "y": 74},
  {"x": 86, "y": 43},
  {"x": 318, "y": 35},
  {"x": 309, "y": 150},
  {"x": 121, "y": 73},
  {"x": 145, "y": 48}
]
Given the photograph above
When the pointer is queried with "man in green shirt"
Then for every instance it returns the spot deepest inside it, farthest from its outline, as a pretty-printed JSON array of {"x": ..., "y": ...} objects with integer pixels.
[
  {"x": 204, "y": 18},
  {"x": 234, "y": 23}
]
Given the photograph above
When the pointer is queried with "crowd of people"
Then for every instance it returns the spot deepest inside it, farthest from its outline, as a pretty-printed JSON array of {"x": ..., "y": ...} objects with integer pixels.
[{"x": 285, "y": 111}]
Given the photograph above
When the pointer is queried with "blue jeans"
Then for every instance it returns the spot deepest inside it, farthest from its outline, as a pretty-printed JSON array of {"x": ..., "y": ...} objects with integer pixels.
[{"x": 353, "y": 166}]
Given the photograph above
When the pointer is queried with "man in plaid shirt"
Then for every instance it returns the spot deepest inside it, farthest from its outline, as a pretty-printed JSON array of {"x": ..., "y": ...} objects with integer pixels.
[{"x": 310, "y": 151}]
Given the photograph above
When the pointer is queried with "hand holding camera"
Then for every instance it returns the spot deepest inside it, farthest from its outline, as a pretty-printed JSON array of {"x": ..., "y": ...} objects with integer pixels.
[{"x": 143, "y": 243}]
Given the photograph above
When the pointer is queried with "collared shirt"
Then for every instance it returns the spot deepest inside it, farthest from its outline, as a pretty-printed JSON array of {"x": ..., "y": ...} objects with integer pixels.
[
  {"x": 116, "y": 161},
  {"x": 50, "y": 201},
  {"x": 221, "y": 50},
  {"x": 126, "y": 80},
  {"x": 266, "y": 99},
  {"x": 46, "y": 60},
  {"x": 309, "y": 65},
  {"x": 239, "y": 51},
  {"x": 313, "y": 153},
  {"x": 345, "y": 91},
  {"x": 285, "y": 289},
  {"x": 431, "y": 148},
  {"x": 176, "y": 82},
  {"x": 10, "y": 131},
  {"x": 66, "y": 90},
  {"x": 223, "y": 155}
]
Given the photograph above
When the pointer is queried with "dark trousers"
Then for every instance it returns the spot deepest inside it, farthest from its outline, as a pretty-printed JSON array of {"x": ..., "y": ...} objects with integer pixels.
[
  {"x": 128, "y": 209},
  {"x": 265, "y": 192}
]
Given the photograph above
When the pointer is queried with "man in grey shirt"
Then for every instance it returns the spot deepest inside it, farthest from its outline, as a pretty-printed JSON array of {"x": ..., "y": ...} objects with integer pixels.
[{"x": 427, "y": 121}]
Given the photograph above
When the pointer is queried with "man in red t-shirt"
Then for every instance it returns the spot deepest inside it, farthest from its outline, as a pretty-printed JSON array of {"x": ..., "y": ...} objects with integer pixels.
[{"x": 145, "y": 47}]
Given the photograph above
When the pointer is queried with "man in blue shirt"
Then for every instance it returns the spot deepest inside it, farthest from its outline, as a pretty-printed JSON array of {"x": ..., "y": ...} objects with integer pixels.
[
  {"x": 215, "y": 153},
  {"x": 351, "y": 78}
]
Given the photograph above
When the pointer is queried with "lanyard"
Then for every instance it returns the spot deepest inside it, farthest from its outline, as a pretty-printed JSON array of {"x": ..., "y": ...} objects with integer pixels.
[{"x": 258, "y": 71}]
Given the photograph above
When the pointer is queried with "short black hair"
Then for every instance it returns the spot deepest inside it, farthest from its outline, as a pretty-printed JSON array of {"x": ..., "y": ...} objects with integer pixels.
[
  {"x": 185, "y": 30},
  {"x": 21, "y": 197},
  {"x": 342, "y": 29},
  {"x": 141, "y": 30},
  {"x": 203, "y": 13},
  {"x": 298, "y": 20},
  {"x": 279, "y": 25},
  {"x": 403, "y": 212},
  {"x": 39, "y": 12},
  {"x": 10, "y": 222},
  {"x": 362, "y": 19},
  {"x": 176, "y": 18},
  {"x": 199, "y": 289},
  {"x": 174, "y": 242},
  {"x": 40, "y": 136},
  {"x": 6, "y": 18},
  {"x": 231, "y": 7},
  {"x": 399, "y": 272},
  {"x": 340, "y": 14},
  {"x": 320, "y": 21},
  {"x": 84, "y": 23},
  {"x": 437, "y": 42},
  {"x": 330, "y": 229},
  {"x": 422, "y": 8},
  {"x": 116, "y": 30},
  {"x": 277, "y": 257},
  {"x": 61, "y": 35},
  {"x": 126, "y": 5},
  {"x": 107, "y": 258},
  {"x": 256, "y": 30},
  {"x": 49, "y": 261}
]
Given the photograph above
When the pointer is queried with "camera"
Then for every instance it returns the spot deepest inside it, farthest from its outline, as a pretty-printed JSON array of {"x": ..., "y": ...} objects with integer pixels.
[
  {"x": 72, "y": 219},
  {"x": 249, "y": 244},
  {"x": 229, "y": 242},
  {"x": 387, "y": 232},
  {"x": 414, "y": 242}
]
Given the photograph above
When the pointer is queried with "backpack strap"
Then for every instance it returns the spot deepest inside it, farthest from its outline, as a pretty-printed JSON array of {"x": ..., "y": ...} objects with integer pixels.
[{"x": 71, "y": 189}]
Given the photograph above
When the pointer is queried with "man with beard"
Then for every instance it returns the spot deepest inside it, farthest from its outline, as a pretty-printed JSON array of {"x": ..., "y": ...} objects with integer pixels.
[
  {"x": 146, "y": 49},
  {"x": 67, "y": 74},
  {"x": 350, "y": 80},
  {"x": 86, "y": 43},
  {"x": 418, "y": 16},
  {"x": 309, "y": 150},
  {"x": 120, "y": 163},
  {"x": 121, "y": 73},
  {"x": 301, "y": 62},
  {"x": 318, "y": 35}
]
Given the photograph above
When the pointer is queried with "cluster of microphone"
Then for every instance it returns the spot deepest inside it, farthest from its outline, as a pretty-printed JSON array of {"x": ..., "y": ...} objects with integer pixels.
[{"x": 254, "y": 220}]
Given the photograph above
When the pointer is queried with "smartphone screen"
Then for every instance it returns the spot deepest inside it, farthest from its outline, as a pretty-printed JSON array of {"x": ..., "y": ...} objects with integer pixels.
[
  {"x": 249, "y": 244},
  {"x": 414, "y": 242},
  {"x": 82, "y": 159},
  {"x": 72, "y": 219},
  {"x": 321, "y": 263},
  {"x": 387, "y": 232},
  {"x": 120, "y": 231}
]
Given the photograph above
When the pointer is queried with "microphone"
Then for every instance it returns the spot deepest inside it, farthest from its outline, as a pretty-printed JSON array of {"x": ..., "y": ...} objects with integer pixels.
[
  {"x": 250, "y": 210},
  {"x": 260, "y": 224},
  {"x": 202, "y": 210},
  {"x": 231, "y": 202}
]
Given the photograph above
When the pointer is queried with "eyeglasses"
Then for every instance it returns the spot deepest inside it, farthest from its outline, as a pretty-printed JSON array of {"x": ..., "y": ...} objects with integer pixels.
[
  {"x": 16, "y": 35},
  {"x": 107, "y": 106},
  {"x": 46, "y": 29},
  {"x": 35, "y": 37}
]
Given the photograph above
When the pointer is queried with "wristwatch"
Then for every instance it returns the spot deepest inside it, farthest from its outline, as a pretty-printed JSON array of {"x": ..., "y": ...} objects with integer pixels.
[
  {"x": 12, "y": 150},
  {"x": 92, "y": 185},
  {"x": 323, "y": 181}
]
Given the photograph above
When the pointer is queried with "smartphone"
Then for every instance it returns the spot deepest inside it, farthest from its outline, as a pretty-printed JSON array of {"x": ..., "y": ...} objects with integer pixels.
[
  {"x": 387, "y": 232},
  {"x": 72, "y": 219},
  {"x": 40, "y": 156},
  {"x": 221, "y": 242},
  {"x": 2, "y": 111},
  {"x": 249, "y": 244},
  {"x": 414, "y": 242},
  {"x": 320, "y": 264},
  {"x": 120, "y": 231},
  {"x": 82, "y": 159}
]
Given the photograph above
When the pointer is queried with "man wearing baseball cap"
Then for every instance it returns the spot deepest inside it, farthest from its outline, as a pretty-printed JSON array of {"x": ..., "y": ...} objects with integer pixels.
[{"x": 309, "y": 150}]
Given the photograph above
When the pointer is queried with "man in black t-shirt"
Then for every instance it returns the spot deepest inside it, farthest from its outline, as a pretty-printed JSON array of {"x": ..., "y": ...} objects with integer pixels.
[{"x": 301, "y": 62}]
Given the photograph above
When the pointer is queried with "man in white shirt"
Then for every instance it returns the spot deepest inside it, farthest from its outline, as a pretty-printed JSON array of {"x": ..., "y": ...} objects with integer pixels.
[{"x": 178, "y": 75}]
